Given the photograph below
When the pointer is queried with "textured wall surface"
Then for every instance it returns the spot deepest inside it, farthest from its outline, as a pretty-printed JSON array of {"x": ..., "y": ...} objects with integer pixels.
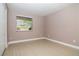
[
  {"x": 37, "y": 30},
  {"x": 64, "y": 25}
]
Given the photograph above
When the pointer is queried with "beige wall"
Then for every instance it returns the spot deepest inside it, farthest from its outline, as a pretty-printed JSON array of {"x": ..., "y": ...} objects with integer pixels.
[
  {"x": 64, "y": 25},
  {"x": 37, "y": 30}
]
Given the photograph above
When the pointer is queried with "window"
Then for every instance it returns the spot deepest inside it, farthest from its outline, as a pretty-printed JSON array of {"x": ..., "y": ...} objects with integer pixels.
[{"x": 24, "y": 23}]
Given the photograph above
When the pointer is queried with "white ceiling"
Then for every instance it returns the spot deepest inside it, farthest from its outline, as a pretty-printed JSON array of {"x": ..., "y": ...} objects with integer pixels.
[{"x": 42, "y": 9}]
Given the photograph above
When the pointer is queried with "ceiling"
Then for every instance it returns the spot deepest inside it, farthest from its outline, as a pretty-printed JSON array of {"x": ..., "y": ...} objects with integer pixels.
[{"x": 40, "y": 9}]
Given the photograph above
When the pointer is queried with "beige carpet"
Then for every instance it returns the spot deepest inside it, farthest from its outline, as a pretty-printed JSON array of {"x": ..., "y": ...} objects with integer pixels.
[{"x": 40, "y": 48}]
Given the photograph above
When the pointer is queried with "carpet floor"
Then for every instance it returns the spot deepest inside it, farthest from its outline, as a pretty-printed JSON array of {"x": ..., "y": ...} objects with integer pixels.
[{"x": 40, "y": 48}]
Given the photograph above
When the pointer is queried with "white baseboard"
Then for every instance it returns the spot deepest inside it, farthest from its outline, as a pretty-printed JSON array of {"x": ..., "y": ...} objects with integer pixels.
[
  {"x": 52, "y": 40},
  {"x": 65, "y": 44},
  {"x": 19, "y": 41}
]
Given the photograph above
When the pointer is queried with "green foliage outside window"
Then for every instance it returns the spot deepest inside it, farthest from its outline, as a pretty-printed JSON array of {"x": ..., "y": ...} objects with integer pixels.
[{"x": 23, "y": 23}]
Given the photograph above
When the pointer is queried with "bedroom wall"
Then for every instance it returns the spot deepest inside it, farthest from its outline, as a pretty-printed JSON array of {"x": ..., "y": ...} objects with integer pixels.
[
  {"x": 61, "y": 26},
  {"x": 64, "y": 25},
  {"x": 37, "y": 30}
]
